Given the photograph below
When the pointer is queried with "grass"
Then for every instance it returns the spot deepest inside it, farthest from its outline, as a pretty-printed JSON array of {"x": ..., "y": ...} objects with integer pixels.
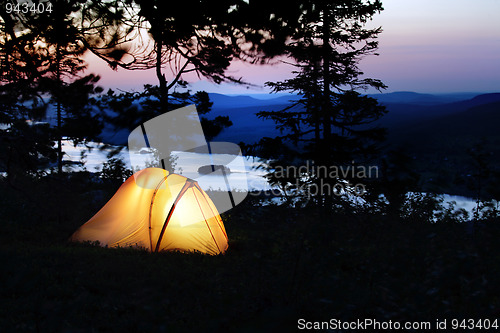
[{"x": 282, "y": 264}]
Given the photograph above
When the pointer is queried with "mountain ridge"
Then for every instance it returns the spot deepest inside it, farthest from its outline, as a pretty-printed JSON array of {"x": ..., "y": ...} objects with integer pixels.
[{"x": 248, "y": 128}]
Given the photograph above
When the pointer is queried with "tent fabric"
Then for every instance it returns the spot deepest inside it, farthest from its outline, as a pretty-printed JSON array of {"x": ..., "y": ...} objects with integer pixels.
[{"x": 160, "y": 212}]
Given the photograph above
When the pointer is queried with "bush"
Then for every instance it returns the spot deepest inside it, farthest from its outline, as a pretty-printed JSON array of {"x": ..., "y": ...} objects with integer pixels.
[{"x": 114, "y": 170}]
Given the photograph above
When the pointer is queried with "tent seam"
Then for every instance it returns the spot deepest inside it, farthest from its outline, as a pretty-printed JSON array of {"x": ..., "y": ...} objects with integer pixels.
[
  {"x": 213, "y": 214},
  {"x": 206, "y": 222}
]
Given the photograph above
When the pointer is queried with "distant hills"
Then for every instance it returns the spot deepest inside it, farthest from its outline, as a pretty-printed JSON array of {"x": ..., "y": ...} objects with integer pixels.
[
  {"x": 223, "y": 101},
  {"x": 405, "y": 110},
  {"x": 480, "y": 121},
  {"x": 450, "y": 133},
  {"x": 402, "y": 114},
  {"x": 399, "y": 97},
  {"x": 409, "y": 97}
]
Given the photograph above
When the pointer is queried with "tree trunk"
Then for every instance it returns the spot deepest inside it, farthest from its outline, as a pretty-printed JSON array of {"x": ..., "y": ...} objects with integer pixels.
[
  {"x": 59, "y": 139},
  {"x": 59, "y": 111},
  {"x": 316, "y": 110},
  {"x": 326, "y": 159},
  {"x": 161, "y": 78},
  {"x": 326, "y": 76}
]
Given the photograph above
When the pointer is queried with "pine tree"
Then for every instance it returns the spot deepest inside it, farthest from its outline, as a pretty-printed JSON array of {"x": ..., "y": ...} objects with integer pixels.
[
  {"x": 25, "y": 143},
  {"x": 330, "y": 123},
  {"x": 42, "y": 57}
]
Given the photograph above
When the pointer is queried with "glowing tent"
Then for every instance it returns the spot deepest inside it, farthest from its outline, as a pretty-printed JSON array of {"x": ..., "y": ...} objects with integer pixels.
[{"x": 160, "y": 212}]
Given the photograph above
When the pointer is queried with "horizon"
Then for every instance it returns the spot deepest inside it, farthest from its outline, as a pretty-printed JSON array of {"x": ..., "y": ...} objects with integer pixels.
[{"x": 275, "y": 95}]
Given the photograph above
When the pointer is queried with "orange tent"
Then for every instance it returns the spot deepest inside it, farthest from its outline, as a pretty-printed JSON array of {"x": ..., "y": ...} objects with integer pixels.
[{"x": 160, "y": 212}]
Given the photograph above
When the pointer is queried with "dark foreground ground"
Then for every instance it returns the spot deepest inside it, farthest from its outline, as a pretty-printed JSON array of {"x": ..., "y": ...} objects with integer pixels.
[{"x": 282, "y": 265}]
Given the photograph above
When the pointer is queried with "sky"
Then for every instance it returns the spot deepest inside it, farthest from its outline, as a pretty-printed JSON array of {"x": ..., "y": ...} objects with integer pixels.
[{"x": 427, "y": 46}]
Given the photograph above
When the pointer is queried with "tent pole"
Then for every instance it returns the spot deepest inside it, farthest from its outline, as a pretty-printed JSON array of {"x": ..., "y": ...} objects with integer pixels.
[
  {"x": 145, "y": 136},
  {"x": 151, "y": 211},
  {"x": 189, "y": 183}
]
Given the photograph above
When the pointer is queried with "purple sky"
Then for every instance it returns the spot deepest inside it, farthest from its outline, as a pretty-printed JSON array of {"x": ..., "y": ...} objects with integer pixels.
[{"x": 431, "y": 46}]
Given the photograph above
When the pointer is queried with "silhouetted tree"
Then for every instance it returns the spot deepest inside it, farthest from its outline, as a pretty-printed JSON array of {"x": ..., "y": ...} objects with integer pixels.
[
  {"x": 189, "y": 37},
  {"x": 63, "y": 50},
  {"x": 42, "y": 57},
  {"x": 330, "y": 123},
  {"x": 194, "y": 36},
  {"x": 25, "y": 144}
]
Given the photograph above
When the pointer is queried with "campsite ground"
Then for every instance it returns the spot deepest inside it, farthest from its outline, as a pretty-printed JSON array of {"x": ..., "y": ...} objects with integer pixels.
[{"x": 282, "y": 265}]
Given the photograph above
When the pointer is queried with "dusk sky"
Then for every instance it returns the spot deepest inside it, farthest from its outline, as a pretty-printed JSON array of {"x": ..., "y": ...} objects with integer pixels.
[{"x": 428, "y": 46}]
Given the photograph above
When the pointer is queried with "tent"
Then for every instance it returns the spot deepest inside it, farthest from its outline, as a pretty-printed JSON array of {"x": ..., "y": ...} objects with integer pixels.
[{"x": 160, "y": 212}]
